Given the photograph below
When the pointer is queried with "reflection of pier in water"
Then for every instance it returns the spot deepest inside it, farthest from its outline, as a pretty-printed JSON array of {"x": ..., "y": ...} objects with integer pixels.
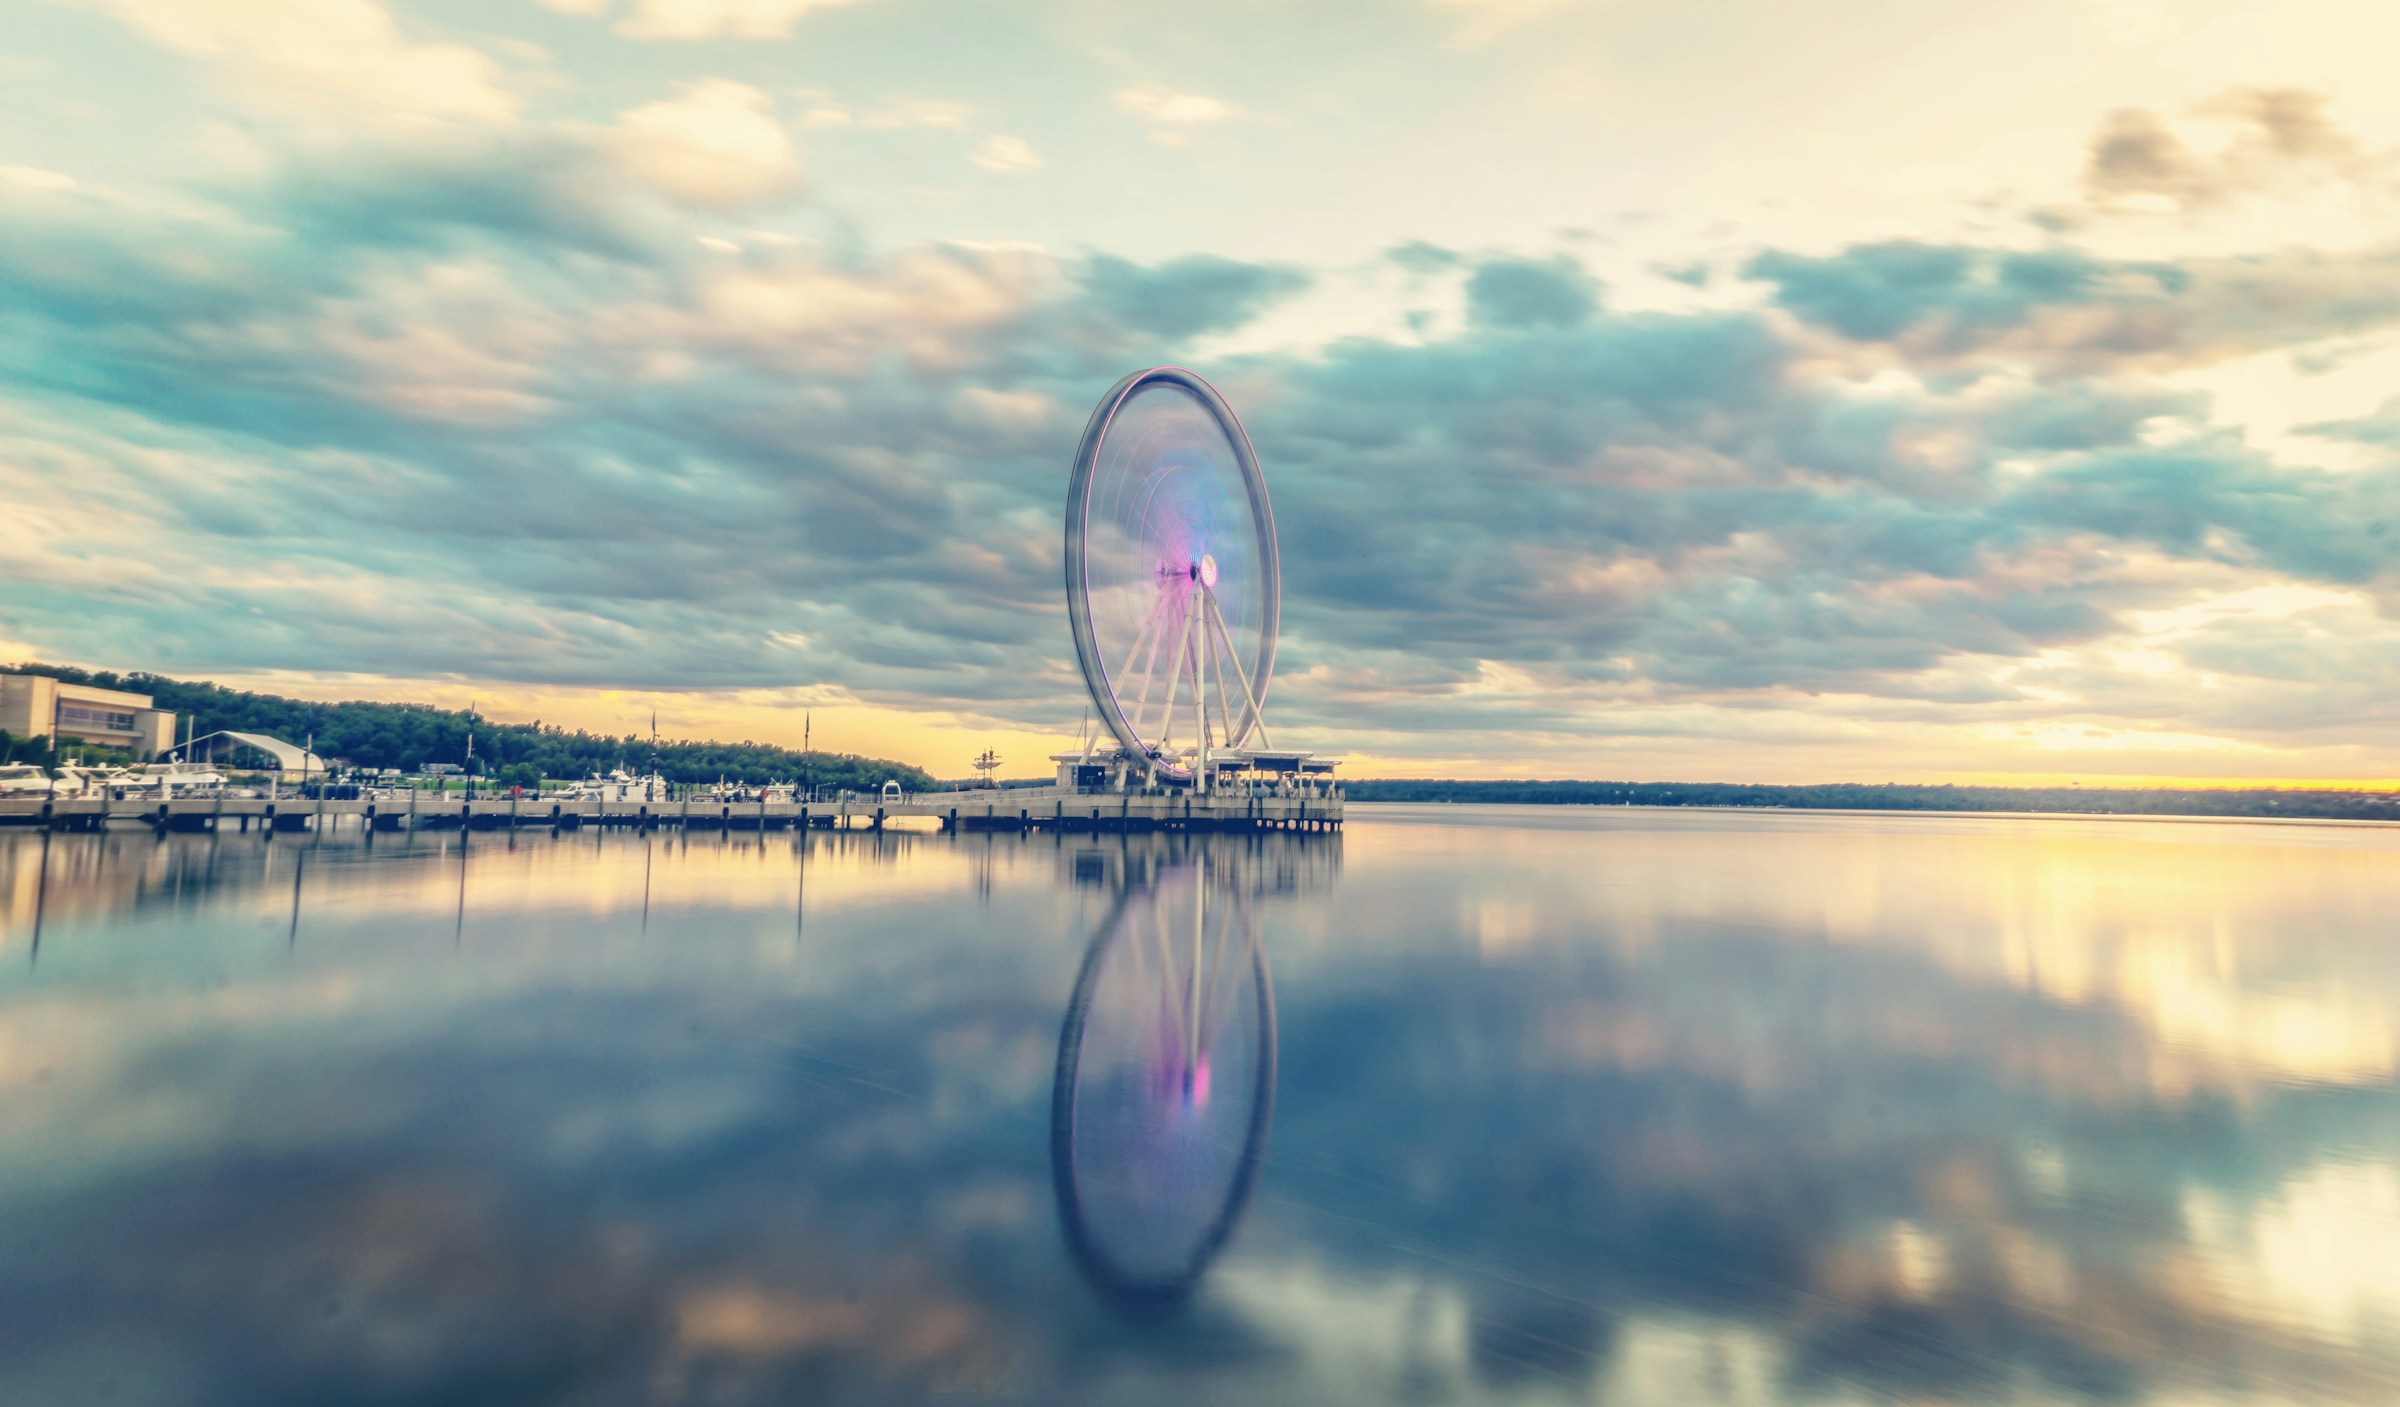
[{"x": 52, "y": 880}]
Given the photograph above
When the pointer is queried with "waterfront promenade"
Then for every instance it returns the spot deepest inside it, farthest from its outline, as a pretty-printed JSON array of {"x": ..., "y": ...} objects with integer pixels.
[{"x": 1039, "y": 808}]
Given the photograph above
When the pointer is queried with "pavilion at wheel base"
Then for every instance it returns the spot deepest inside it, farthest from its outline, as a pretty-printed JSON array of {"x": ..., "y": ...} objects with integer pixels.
[
  {"x": 1221, "y": 770},
  {"x": 1165, "y": 809}
]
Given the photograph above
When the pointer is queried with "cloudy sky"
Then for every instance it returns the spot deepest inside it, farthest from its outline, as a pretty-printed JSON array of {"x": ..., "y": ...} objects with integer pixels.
[{"x": 1647, "y": 389}]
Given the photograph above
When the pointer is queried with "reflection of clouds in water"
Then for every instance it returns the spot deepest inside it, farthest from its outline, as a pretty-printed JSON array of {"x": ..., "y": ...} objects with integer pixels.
[
  {"x": 1712, "y": 1155},
  {"x": 2192, "y": 991},
  {"x": 1501, "y": 922},
  {"x": 2249, "y": 952},
  {"x": 1729, "y": 1122},
  {"x": 2320, "y": 1254},
  {"x": 745, "y": 1336}
]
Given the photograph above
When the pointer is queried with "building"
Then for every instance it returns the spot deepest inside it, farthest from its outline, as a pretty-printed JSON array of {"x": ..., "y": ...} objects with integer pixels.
[{"x": 36, "y": 706}]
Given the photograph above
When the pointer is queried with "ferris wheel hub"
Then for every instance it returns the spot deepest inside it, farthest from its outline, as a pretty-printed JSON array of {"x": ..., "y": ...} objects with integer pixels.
[{"x": 1206, "y": 570}]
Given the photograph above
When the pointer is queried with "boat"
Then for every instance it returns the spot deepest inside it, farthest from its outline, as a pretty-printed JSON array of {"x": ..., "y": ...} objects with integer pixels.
[
  {"x": 29, "y": 779},
  {"x": 618, "y": 785},
  {"x": 164, "y": 781},
  {"x": 80, "y": 778}
]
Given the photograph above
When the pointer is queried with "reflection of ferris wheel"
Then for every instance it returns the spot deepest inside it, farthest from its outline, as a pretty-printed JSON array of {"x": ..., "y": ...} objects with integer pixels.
[
  {"x": 1165, "y": 1086},
  {"x": 1173, "y": 586}
]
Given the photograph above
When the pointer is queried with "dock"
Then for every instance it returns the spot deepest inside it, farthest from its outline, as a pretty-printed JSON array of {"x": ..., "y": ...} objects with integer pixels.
[{"x": 1019, "y": 809}]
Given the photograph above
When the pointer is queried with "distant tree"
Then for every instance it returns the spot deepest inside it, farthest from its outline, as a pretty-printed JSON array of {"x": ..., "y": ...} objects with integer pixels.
[
  {"x": 519, "y": 774},
  {"x": 408, "y": 735},
  {"x": 1861, "y": 796}
]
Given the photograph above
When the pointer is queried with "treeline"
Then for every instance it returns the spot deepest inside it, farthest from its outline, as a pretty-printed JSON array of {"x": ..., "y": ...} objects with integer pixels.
[
  {"x": 408, "y": 735},
  {"x": 35, "y": 750},
  {"x": 1860, "y": 796}
]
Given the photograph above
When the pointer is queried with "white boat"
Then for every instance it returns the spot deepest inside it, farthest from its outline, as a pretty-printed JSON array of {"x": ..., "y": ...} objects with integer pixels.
[
  {"x": 86, "y": 780},
  {"x": 618, "y": 785},
  {"x": 164, "y": 781},
  {"x": 27, "y": 779}
]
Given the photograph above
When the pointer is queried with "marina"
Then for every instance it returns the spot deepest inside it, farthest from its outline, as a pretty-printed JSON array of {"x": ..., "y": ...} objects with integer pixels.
[{"x": 1264, "y": 807}]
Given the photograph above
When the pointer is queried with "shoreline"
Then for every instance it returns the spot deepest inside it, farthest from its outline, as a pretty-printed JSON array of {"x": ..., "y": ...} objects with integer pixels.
[{"x": 2182, "y": 817}]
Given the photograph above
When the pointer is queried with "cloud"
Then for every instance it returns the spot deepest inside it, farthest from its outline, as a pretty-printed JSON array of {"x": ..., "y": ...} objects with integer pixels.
[
  {"x": 715, "y": 19},
  {"x": 36, "y": 178},
  {"x": 718, "y": 145},
  {"x": 2279, "y": 137},
  {"x": 343, "y": 60},
  {"x": 1187, "y": 298},
  {"x": 1936, "y": 484},
  {"x": 1157, "y": 103},
  {"x": 1006, "y": 156},
  {"x": 2380, "y": 428},
  {"x": 938, "y": 307},
  {"x": 1531, "y": 293},
  {"x": 550, "y": 190},
  {"x": 1482, "y": 21},
  {"x": 1168, "y": 114},
  {"x": 825, "y": 113},
  {"x": 1421, "y": 259},
  {"x": 1876, "y": 292},
  {"x": 2068, "y": 311}
]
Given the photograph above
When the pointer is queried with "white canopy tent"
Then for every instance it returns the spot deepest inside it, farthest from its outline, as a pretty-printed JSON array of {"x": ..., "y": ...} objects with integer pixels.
[{"x": 287, "y": 758}]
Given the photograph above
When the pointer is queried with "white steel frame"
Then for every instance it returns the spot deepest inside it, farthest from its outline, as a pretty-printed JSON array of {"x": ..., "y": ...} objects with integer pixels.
[
  {"x": 1138, "y": 697},
  {"x": 1186, "y": 606}
]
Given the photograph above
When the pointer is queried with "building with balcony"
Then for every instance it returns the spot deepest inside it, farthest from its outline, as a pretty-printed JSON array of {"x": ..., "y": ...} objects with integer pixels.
[{"x": 37, "y": 706}]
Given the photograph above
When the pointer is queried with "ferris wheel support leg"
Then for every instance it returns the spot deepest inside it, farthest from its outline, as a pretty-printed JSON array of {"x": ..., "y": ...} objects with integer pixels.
[
  {"x": 1216, "y": 660},
  {"x": 1200, "y": 645},
  {"x": 1258, "y": 716}
]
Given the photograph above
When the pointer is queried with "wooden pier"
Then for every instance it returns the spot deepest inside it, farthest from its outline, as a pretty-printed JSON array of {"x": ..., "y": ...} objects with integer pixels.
[{"x": 1015, "y": 809}]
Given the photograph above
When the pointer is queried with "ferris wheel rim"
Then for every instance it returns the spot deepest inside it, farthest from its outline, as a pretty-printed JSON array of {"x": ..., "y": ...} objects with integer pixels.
[{"x": 1096, "y": 676}]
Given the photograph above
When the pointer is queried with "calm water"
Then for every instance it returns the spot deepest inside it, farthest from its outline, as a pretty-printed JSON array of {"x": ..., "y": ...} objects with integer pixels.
[{"x": 1465, "y": 1105}]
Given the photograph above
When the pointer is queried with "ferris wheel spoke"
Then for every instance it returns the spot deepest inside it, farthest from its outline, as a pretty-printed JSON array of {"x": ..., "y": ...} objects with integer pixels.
[
  {"x": 1157, "y": 667},
  {"x": 1216, "y": 660},
  {"x": 1154, "y": 671},
  {"x": 1145, "y": 653}
]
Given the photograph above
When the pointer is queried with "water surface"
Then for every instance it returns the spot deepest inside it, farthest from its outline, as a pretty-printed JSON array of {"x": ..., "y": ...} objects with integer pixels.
[{"x": 1480, "y": 1104}]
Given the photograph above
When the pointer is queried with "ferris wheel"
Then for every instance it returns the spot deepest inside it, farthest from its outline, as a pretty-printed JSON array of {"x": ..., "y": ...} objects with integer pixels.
[{"x": 1173, "y": 585}]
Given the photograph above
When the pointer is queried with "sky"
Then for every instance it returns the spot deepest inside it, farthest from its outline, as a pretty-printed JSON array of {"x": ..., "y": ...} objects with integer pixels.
[{"x": 1694, "y": 390}]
